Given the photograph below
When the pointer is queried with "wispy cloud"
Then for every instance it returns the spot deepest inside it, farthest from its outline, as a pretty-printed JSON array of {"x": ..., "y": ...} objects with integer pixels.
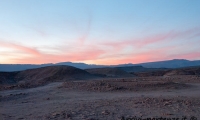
[
  {"x": 140, "y": 56},
  {"x": 28, "y": 50},
  {"x": 72, "y": 56},
  {"x": 84, "y": 37},
  {"x": 108, "y": 52},
  {"x": 189, "y": 55},
  {"x": 35, "y": 56},
  {"x": 154, "y": 39}
]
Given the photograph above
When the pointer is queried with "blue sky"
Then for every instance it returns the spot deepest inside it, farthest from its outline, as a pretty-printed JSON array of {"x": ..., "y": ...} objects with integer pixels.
[{"x": 98, "y": 31}]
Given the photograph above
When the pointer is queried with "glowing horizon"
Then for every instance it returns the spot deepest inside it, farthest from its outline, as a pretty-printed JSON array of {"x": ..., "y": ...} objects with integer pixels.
[{"x": 98, "y": 32}]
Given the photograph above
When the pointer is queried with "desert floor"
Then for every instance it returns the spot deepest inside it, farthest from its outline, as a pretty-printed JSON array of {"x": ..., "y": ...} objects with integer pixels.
[{"x": 174, "y": 97}]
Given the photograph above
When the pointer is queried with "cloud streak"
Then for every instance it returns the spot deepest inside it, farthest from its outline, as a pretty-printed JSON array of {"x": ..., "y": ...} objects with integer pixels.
[
  {"x": 86, "y": 53},
  {"x": 154, "y": 39},
  {"x": 107, "y": 53},
  {"x": 84, "y": 37},
  {"x": 22, "y": 48},
  {"x": 72, "y": 56},
  {"x": 189, "y": 55},
  {"x": 140, "y": 56}
]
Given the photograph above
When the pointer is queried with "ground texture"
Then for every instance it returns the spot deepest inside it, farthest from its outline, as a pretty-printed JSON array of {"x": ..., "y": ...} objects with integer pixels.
[{"x": 108, "y": 99}]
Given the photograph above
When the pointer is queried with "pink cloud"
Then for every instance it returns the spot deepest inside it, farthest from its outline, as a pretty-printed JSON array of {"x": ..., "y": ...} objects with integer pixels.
[
  {"x": 101, "y": 55},
  {"x": 190, "y": 56},
  {"x": 145, "y": 56},
  {"x": 25, "y": 49},
  {"x": 86, "y": 54},
  {"x": 163, "y": 37}
]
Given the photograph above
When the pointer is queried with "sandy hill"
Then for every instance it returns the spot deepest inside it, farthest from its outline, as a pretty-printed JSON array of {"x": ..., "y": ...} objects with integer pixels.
[
  {"x": 109, "y": 72},
  {"x": 53, "y": 73},
  {"x": 45, "y": 75}
]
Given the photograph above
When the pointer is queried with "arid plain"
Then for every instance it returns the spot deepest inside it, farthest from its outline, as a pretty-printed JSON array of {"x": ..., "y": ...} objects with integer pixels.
[{"x": 64, "y": 92}]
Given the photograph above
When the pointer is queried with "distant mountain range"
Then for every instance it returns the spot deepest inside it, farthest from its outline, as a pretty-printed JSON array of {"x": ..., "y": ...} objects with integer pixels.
[
  {"x": 62, "y": 73},
  {"x": 175, "y": 63}
]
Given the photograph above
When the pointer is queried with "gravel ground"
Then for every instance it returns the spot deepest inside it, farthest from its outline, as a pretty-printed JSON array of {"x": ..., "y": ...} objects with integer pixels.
[{"x": 114, "y": 99}]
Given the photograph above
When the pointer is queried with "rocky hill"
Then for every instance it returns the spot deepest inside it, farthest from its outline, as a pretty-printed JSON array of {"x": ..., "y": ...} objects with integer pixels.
[
  {"x": 109, "y": 72},
  {"x": 44, "y": 75}
]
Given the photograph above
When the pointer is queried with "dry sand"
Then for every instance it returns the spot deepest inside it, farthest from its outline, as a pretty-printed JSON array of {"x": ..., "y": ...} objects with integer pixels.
[{"x": 114, "y": 99}]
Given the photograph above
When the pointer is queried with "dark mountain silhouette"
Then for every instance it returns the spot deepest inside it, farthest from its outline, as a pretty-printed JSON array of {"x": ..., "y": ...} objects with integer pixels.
[
  {"x": 20, "y": 67},
  {"x": 176, "y": 63}
]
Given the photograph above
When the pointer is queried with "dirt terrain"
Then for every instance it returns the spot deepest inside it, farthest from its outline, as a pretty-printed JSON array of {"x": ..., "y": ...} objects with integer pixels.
[
  {"x": 171, "y": 97},
  {"x": 41, "y": 76},
  {"x": 109, "y": 72},
  {"x": 195, "y": 70}
]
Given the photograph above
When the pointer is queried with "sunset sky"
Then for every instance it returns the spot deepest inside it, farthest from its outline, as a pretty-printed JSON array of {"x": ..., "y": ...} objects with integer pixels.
[{"x": 98, "y": 31}]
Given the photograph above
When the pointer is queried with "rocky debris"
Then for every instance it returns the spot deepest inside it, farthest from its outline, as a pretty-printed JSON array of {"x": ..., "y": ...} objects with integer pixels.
[
  {"x": 105, "y": 112},
  {"x": 104, "y": 108},
  {"x": 58, "y": 115},
  {"x": 47, "y": 98},
  {"x": 92, "y": 119},
  {"x": 14, "y": 96},
  {"x": 123, "y": 85}
]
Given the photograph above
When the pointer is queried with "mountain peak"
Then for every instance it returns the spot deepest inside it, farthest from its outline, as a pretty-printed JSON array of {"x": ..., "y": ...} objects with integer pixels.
[{"x": 179, "y": 60}]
